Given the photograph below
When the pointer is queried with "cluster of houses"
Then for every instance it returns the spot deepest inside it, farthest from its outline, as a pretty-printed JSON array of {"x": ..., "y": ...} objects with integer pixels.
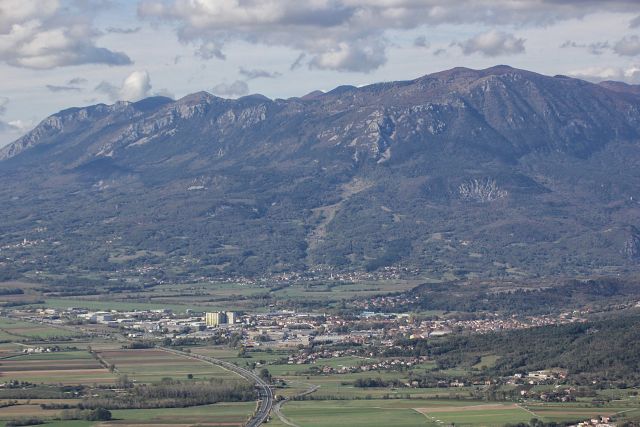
[{"x": 596, "y": 422}]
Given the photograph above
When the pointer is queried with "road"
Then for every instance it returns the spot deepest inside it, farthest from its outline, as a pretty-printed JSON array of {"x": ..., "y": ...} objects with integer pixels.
[
  {"x": 278, "y": 406},
  {"x": 264, "y": 390}
]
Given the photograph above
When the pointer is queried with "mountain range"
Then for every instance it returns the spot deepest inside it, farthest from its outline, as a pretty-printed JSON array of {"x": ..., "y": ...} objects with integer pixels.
[{"x": 463, "y": 173}]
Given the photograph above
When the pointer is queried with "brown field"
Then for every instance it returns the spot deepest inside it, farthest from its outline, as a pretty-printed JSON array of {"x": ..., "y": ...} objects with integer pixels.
[
  {"x": 56, "y": 372},
  {"x": 39, "y": 401},
  {"x": 31, "y": 407},
  {"x": 20, "y": 285},
  {"x": 47, "y": 365},
  {"x": 53, "y": 371},
  {"x": 157, "y": 422},
  {"x": 26, "y": 410},
  {"x": 137, "y": 354},
  {"x": 8, "y": 349}
]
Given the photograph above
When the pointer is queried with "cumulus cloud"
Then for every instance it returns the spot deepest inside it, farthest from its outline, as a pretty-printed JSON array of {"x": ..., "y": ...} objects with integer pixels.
[
  {"x": 350, "y": 57},
  {"x": 493, "y": 43},
  {"x": 235, "y": 89},
  {"x": 635, "y": 22},
  {"x": 597, "y": 74},
  {"x": 350, "y": 35},
  {"x": 135, "y": 87},
  {"x": 16, "y": 127},
  {"x": 258, "y": 74},
  {"x": 10, "y": 127},
  {"x": 628, "y": 46},
  {"x": 210, "y": 50},
  {"x": 42, "y": 34}
]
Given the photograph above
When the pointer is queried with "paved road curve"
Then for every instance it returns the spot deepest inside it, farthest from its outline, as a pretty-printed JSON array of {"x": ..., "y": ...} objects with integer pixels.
[
  {"x": 278, "y": 406},
  {"x": 266, "y": 393}
]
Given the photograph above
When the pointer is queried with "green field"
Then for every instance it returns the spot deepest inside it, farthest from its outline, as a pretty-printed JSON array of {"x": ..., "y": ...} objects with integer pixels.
[
  {"x": 148, "y": 366},
  {"x": 231, "y": 414},
  {"x": 397, "y": 413},
  {"x": 222, "y": 414},
  {"x": 419, "y": 412},
  {"x": 15, "y": 330}
]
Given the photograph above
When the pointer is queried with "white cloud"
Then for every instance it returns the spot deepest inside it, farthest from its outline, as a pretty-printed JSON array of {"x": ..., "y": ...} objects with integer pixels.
[
  {"x": 11, "y": 129},
  {"x": 629, "y": 74},
  {"x": 235, "y": 89},
  {"x": 493, "y": 43},
  {"x": 350, "y": 35},
  {"x": 210, "y": 50},
  {"x": 135, "y": 87},
  {"x": 42, "y": 34},
  {"x": 349, "y": 57}
]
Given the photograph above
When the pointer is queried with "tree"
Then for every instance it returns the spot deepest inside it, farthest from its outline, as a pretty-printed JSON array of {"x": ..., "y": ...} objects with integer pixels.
[
  {"x": 99, "y": 414},
  {"x": 124, "y": 382},
  {"x": 265, "y": 374}
]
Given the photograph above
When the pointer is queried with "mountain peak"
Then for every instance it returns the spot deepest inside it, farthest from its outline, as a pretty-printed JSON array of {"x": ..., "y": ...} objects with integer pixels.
[{"x": 198, "y": 98}]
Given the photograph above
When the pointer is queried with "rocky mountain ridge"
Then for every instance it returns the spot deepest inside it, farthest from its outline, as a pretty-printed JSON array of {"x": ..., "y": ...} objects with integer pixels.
[{"x": 462, "y": 172}]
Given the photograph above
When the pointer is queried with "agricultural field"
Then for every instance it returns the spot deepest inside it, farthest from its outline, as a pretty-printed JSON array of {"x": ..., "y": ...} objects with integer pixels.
[
  {"x": 220, "y": 296},
  {"x": 65, "y": 367},
  {"x": 425, "y": 412},
  {"x": 79, "y": 367},
  {"x": 219, "y": 414},
  {"x": 354, "y": 413},
  {"x": 154, "y": 365},
  {"x": 15, "y": 330}
]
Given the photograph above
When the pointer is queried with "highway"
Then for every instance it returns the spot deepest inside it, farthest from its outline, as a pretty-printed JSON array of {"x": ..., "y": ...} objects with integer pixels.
[{"x": 264, "y": 390}]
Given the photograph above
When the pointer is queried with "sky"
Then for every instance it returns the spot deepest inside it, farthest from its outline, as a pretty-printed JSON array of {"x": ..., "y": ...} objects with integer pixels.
[{"x": 57, "y": 54}]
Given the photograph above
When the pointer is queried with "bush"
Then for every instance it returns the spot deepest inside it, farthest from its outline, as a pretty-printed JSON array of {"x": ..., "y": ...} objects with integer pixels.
[
  {"x": 30, "y": 421},
  {"x": 99, "y": 414}
]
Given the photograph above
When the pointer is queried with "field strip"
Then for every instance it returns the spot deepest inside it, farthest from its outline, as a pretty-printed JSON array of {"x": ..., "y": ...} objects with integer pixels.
[
  {"x": 278, "y": 407},
  {"x": 529, "y": 411},
  {"x": 626, "y": 410},
  {"x": 429, "y": 417},
  {"x": 184, "y": 356},
  {"x": 494, "y": 406}
]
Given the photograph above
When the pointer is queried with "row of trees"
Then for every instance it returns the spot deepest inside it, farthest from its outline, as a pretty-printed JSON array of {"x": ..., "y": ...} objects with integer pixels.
[{"x": 174, "y": 394}]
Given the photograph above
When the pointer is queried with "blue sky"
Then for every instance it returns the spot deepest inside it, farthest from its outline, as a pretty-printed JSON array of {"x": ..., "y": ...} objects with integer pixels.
[{"x": 56, "y": 54}]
